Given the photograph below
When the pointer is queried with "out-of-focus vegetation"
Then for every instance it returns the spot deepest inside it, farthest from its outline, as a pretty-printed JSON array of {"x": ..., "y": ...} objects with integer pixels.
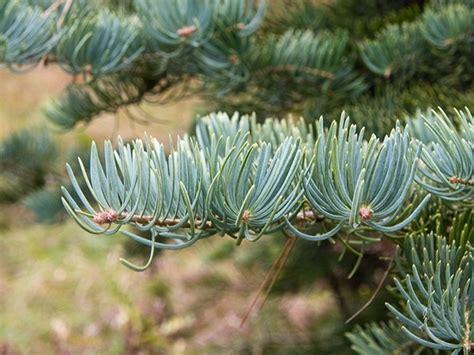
[{"x": 64, "y": 291}]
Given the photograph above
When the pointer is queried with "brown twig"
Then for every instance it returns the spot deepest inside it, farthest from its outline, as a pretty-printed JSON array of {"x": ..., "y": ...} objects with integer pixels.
[
  {"x": 107, "y": 217},
  {"x": 111, "y": 216},
  {"x": 467, "y": 344},
  {"x": 458, "y": 180},
  {"x": 310, "y": 71}
]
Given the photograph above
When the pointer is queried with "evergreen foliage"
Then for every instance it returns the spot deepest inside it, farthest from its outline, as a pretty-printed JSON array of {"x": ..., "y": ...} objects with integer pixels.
[
  {"x": 437, "y": 294},
  {"x": 147, "y": 49},
  {"x": 26, "y": 158},
  {"x": 381, "y": 339},
  {"x": 31, "y": 170},
  {"x": 232, "y": 180},
  {"x": 407, "y": 176},
  {"x": 437, "y": 300}
]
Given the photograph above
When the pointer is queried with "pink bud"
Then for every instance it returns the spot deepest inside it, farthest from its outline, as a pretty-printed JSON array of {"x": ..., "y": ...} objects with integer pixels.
[
  {"x": 453, "y": 179},
  {"x": 186, "y": 31},
  {"x": 106, "y": 217},
  {"x": 246, "y": 216},
  {"x": 366, "y": 213}
]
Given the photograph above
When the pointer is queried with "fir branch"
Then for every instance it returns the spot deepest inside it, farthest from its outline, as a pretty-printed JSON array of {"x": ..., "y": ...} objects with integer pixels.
[
  {"x": 435, "y": 289},
  {"x": 229, "y": 180},
  {"x": 448, "y": 161}
]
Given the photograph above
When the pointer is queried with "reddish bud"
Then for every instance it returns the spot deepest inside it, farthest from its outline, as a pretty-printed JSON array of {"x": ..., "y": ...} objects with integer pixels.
[
  {"x": 186, "y": 31},
  {"x": 246, "y": 216},
  {"x": 234, "y": 59},
  {"x": 366, "y": 213},
  {"x": 453, "y": 179}
]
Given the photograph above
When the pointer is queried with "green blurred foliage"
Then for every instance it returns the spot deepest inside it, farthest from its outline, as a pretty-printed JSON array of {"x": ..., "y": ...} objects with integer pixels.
[{"x": 31, "y": 170}]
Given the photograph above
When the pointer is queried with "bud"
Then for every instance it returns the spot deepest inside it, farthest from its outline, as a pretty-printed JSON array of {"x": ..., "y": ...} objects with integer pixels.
[
  {"x": 186, "y": 31},
  {"x": 246, "y": 216},
  {"x": 366, "y": 213},
  {"x": 454, "y": 180},
  {"x": 106, "y": 217}
]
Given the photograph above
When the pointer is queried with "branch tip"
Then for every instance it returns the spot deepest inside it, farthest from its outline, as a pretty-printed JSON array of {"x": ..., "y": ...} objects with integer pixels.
[{"x": 366, "y": 213}]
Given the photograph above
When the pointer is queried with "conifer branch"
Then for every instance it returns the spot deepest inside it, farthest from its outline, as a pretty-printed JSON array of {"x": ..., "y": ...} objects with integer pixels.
[{"x": 231, "y": 180}]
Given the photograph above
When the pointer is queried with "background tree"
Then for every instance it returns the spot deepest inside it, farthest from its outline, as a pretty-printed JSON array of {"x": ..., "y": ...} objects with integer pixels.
[{"x": 247, "y": 177}]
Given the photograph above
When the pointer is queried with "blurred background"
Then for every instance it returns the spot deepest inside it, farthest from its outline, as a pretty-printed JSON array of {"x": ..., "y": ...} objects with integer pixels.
[{"x": 64, "y": 291}]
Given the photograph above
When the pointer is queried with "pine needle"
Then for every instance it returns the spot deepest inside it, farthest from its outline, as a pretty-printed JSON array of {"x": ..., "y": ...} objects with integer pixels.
[{"x": 270, "y": 278}]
